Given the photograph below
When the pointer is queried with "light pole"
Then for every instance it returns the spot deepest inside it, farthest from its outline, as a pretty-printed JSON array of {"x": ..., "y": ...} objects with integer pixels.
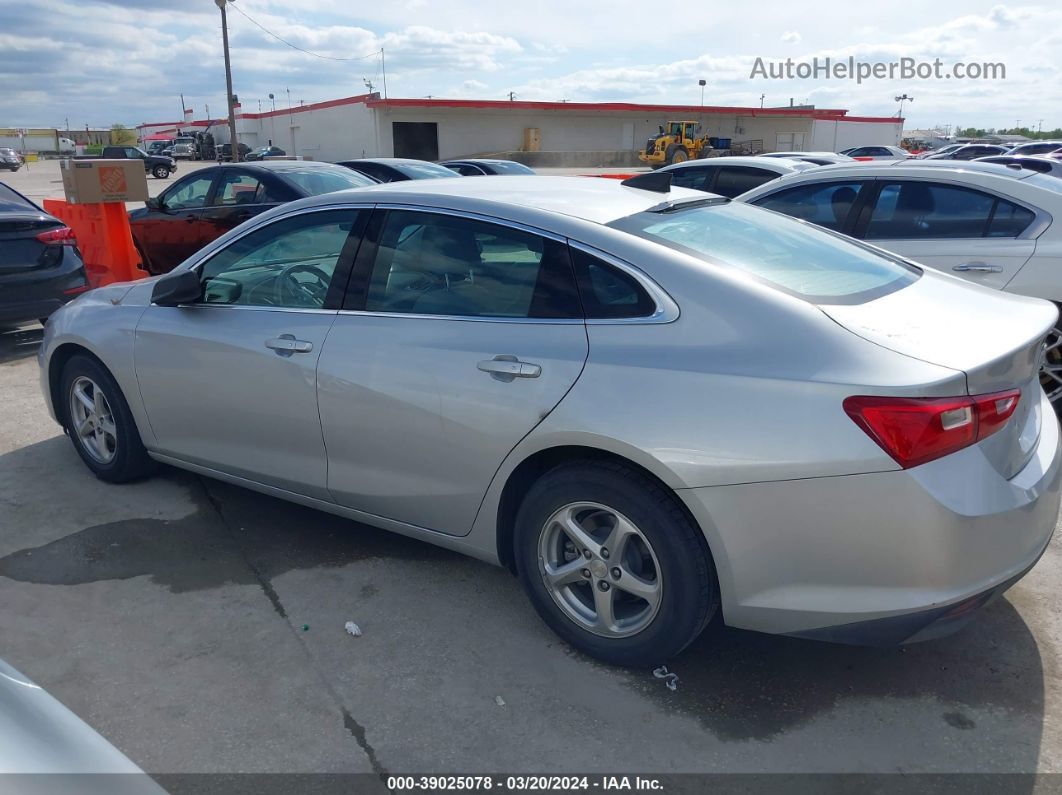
[
  {"x": 702, "y": 84},
  {"x": 234, "y": 142},
  {"x": 901, "y": 100}
]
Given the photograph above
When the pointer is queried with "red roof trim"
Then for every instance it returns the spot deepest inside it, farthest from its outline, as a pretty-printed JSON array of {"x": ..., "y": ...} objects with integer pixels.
[
  {"x": 628, "y": 107},
  {"x": 872, "y": 119},
  {"x": 331, "y": 103}
]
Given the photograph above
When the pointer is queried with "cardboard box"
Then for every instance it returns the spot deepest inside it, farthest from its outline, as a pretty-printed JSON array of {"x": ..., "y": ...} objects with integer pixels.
[{"x": 93, "y": 181}]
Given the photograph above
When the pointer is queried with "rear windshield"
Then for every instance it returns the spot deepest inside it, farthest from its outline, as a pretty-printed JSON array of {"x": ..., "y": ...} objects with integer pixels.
[
  {"x": 11, "y": 201},
  {"x": 423, "y": 170},
  {"x": 796, "y": 257},
  {"x": 315, "y": 181},
  {"x": 509, "y": 167}
]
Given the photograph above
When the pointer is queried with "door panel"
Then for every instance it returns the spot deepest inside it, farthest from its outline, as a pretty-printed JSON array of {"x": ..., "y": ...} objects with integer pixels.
[
  {"x": 965, "y": 232},
  {"x": 177, "y": 230},
  {"x": 217, "y": 396},
  {"x": 984, "y": 261},
  {"x": 464, "y": 336},
  {"x": 415, "y": 431},
  {"x": 230, "y": 382}
]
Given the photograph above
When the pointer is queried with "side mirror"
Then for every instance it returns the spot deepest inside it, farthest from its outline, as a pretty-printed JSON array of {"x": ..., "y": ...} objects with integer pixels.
[
  {"x": 176, "y": 288},
  {"x": 153, "y": 203}
]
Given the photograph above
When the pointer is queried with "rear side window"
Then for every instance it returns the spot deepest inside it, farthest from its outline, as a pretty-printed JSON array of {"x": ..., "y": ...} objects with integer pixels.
[
  {"x": 608, "y": 292},
  {"x": 11, "y": 200},
  {"x": 733, "y": 181},
  {"x": 823, "y": 203},
  {"x": 435, "y": 264},
  {"x": 315, "y": 181},
  {"x": 914, "y": 210},
  {"x": 695, "y": 178}
]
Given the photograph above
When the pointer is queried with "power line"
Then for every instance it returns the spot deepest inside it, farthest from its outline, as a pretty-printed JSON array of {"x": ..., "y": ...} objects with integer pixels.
[{"x": 297, "y": 47}]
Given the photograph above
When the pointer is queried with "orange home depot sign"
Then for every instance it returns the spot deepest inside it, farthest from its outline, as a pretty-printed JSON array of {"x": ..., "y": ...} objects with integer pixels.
[{"x": 112, "y": 180}]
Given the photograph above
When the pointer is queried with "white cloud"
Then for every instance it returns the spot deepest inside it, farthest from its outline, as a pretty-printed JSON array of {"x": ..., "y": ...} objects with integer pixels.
[{"x": 791, "y": 37}]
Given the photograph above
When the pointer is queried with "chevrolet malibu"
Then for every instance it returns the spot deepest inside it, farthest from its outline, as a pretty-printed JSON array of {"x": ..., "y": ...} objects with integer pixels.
[{"x": 651, "y": 404}]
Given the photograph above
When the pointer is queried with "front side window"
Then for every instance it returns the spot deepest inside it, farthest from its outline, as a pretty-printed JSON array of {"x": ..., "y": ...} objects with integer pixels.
[
  {"x": 912, "y": 210},
  {"x": 189, "y": 194},
  {"x": 823, "y": 203},
  {"x": 798, "y": 259},
  {"x": 431, "y": 264},
  {"x": 289, "y": 263}
]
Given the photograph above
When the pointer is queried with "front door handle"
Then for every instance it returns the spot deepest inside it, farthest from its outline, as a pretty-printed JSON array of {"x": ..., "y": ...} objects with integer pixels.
[
  {"x": 977, "y": 267},
  {"x": 286, "y": 344},
  {"x": 506, "y": 367}
]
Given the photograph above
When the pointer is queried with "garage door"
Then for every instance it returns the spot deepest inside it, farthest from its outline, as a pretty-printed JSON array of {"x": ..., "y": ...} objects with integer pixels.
[{"x": 417, "y": 139}]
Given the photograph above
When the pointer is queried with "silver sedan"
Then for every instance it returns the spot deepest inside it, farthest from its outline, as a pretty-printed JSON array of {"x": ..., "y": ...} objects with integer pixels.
[{"x": 652, "y": 404}]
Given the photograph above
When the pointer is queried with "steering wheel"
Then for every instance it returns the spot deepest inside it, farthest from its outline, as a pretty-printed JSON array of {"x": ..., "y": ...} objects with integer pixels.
[{"x": 288, "y": 290}]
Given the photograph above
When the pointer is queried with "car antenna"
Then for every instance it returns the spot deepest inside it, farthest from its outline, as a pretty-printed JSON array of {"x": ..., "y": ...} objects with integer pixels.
[{"x": 656, "y": 181}]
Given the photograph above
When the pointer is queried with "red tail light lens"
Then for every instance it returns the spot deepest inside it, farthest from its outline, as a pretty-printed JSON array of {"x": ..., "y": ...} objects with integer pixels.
[
  {"x": 62, "y": 236},
  {"x": 917, "y": 430}
]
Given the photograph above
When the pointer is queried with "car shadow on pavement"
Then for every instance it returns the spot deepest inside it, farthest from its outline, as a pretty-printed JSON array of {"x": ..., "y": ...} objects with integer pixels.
[
  {"x": 983, "y": 687},
  {"x": 20, "y": 343}
]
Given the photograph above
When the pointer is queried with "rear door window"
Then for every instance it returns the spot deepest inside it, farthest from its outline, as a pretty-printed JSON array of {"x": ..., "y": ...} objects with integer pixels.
[
  {"x": 437, "y": 264},
  {"x": 826, "y": 204},
  {"x": 913, "y": 210}
]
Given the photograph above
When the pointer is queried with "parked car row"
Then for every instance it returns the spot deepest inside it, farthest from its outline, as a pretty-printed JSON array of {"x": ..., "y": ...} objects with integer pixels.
[{"x": 655, "y": 405}]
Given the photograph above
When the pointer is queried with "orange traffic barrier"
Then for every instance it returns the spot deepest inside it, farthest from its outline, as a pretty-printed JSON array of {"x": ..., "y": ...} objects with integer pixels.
[
  {"x": 610, "y": 176},
  {"x": 104, "y": 238}
]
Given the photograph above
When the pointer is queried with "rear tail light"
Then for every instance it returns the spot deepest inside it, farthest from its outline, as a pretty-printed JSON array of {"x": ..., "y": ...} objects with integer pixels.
[
  {"x": 917, "y": 430},
  {"x": 61, "y": 236}
]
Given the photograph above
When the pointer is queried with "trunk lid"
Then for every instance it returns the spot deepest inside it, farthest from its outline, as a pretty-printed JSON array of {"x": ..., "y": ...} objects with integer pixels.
[
  {"x": 20, "y": 251},
  {"x": 995, "y": 338}
]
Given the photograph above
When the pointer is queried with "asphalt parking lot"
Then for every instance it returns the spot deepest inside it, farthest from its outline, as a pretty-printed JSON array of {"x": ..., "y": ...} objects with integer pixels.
[{"x": 200, "y": 628}]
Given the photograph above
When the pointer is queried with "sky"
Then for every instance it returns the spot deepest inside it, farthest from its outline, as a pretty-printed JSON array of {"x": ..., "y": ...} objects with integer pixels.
[{"x": 100, "y": 62}]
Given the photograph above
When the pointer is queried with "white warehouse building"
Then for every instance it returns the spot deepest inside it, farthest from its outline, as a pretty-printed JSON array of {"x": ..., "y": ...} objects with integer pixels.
[{"x": 541, "y": 133}]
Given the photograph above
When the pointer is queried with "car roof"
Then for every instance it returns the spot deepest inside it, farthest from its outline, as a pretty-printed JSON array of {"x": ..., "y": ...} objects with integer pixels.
[
  {"x": 389, "y": 161},
  {"x": 779, "y": 164},
  {"x": 279, "y": 165},
  {"x": 588, "y": 198},
  {"x": 902, "y": 168},
  {"x": 487, "y": 160}
]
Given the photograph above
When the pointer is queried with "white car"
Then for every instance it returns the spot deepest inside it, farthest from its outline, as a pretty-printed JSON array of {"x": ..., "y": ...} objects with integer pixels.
[
  {"x": 876, "y": 153},
  {"x": 986, "y": 223},
  {"x": 731, "y": 176}
]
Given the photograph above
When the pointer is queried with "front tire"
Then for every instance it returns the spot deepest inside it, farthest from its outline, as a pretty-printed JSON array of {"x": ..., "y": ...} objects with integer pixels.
[
  {"x": 613, "y": 564},
  {"x": 100, "y": 424},
  {"x": 160, "y": 172}
]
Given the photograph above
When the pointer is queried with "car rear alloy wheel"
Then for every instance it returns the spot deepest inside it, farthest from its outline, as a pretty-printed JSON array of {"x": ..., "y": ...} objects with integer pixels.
[
  {"x": 92, "y": 420},
  {"x": 600, "y": 569},
  {"x": 1051, "y": 370},
  {"x": 613, "y": 563}
]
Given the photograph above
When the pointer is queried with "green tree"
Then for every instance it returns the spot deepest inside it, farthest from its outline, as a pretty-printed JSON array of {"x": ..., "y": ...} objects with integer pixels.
[{"x": 122, "y": 135}]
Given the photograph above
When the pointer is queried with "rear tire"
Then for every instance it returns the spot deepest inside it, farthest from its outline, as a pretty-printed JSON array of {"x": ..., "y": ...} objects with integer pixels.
[
  {"x": 100, "y": 424},
  {"x": 160, "y": 172},
  {"x": 641, "y": 602}
]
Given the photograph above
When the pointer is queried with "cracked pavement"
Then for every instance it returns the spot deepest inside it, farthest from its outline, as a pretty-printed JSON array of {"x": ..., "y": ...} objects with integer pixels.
[{"x": 200, "y": 628}]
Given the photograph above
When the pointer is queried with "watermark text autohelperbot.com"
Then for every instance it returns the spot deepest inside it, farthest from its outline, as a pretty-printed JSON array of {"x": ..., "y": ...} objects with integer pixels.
[{"x": 851, "y": 69}]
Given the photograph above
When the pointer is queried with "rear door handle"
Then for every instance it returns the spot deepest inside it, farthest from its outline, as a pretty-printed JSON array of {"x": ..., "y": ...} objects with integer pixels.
[
  {"x": 506, "y": 367},
  {"x": 977, "y": 267},
  {"x": 286, "y": 344}
]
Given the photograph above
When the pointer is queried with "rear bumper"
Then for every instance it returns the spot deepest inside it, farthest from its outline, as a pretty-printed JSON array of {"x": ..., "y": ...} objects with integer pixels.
[
  {"x": 880, "y": 558},
  {"x": 35, "y": 295}
]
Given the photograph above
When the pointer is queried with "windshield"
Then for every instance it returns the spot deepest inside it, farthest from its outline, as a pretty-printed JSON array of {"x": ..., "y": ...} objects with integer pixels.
[
  {"x": 314, "y": 181},
  {"x": 796, "y": 257},
  {"x": 423, "y": 170}
]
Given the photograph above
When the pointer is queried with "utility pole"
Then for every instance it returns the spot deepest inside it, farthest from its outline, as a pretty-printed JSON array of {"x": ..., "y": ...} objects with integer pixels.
[
  {"x": 234, "y": 141},
  {"x": 512, "y": 96},
  {"x": 702, "y": 83},
  {"x": 383, "y": 72},
  {"x": 184, "y": 110},
  {"x": 762, "y": 97},
  {"x": 901, "y": 100}
]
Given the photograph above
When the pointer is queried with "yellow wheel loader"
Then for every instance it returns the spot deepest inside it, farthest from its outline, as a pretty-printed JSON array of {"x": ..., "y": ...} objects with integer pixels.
[{"x": 680, "y": 141}]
